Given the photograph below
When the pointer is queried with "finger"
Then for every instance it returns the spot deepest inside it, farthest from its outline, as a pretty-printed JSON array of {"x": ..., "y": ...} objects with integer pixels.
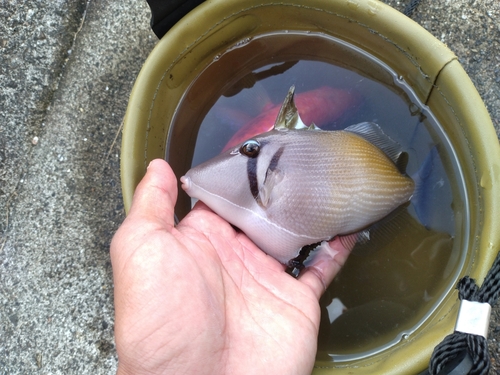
[
  {"x": 325, "y": 265},
  {"x": 155, "y": 196}
]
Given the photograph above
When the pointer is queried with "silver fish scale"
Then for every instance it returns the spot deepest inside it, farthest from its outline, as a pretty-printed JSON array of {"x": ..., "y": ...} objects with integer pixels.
[{"x": 333, "y": 183}]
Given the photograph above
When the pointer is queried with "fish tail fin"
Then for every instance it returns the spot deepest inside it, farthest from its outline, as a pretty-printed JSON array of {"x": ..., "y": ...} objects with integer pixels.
[{"x": 426, "y": 179}]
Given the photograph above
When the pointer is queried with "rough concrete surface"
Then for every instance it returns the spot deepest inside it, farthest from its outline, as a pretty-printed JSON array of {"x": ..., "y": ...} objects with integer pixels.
[{"x": 66, "y": 70}]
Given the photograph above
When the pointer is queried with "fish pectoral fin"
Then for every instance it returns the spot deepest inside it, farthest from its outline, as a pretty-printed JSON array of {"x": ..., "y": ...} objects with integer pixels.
[
  {"x": 374, "y": 134},
  {"x": 273, "y": 178}
]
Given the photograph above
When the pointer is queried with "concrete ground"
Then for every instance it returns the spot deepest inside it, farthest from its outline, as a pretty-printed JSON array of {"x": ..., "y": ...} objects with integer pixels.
[{"x": 66, "y": 70}]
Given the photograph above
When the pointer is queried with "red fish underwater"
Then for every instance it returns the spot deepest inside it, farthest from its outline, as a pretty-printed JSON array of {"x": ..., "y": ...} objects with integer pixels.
[{"x": 320, "y": 106}]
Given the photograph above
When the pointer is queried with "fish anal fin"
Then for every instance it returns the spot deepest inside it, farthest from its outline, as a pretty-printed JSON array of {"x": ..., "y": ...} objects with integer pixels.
[
  {"x": 374, "y": 134},
  {"x": 350, "y": 240},
  {"x": 382, "y": 232}
]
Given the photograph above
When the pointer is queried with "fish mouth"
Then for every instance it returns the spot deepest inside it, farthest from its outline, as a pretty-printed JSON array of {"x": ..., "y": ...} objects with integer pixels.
[{"x": 186, "y": 183}]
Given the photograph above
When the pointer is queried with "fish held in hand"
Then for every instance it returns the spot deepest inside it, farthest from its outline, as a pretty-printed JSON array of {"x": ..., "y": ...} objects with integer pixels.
[{"x": 297, "y": 185}]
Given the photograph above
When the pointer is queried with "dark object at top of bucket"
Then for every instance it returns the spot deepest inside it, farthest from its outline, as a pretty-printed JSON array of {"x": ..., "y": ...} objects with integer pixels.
[{"x": 165, "y": 14}]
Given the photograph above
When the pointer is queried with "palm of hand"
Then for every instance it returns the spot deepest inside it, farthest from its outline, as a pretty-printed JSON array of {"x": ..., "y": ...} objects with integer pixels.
[{"x": 202, "y": 298}]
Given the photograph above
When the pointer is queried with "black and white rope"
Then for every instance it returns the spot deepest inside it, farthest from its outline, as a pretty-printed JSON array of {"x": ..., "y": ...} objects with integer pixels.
[
  {"x": 471, "y": 348},
  {"x": 410, "y": 8}
]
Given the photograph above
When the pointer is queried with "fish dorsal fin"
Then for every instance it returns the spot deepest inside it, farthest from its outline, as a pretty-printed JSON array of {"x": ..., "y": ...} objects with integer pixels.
[
  {"x": 288, "y": 116},
  {"x": 372, "y": 132}
]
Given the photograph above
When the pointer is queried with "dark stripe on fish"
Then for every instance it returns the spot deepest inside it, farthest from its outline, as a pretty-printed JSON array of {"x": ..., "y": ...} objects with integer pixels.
[
  {"x": 274, "y": 161},
  {"x": 252, "y": 172},
  {"x": 252, "y": 177}
]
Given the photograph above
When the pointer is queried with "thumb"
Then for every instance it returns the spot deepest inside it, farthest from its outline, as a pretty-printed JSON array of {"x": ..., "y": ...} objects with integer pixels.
[
  {"x": 155, "y": 196},
  {"x": 326, "y": 263},
  {"x": 152, "y": 208}
]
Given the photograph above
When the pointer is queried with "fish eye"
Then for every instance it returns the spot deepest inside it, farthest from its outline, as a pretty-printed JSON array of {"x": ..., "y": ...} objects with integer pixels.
[{"x": 250, "y": 148}]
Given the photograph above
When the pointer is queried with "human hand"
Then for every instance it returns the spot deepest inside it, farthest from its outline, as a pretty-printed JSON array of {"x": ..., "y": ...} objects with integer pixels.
[{"x": 201, "y": 298}]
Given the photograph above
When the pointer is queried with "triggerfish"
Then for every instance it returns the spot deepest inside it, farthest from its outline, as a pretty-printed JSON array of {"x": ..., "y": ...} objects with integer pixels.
[
  {"x": 297, "y": 185},
  {"x": 322, "y": 106}
]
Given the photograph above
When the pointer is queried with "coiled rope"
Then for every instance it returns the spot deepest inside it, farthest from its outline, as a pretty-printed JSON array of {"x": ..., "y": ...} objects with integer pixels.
[
  {"x": 468, "y": 353},
  {"x": 410, "y": 8}
]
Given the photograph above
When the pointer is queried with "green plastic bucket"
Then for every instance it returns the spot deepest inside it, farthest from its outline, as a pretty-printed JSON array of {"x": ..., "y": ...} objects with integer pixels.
[{"x": 425, "y": 63}]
